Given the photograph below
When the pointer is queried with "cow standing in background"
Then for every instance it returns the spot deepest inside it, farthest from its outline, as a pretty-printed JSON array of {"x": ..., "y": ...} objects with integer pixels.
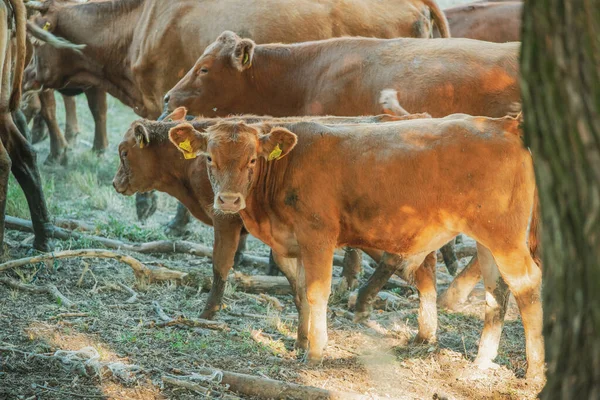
[
  {"x": 498, "y": 22},
  {"x": 149, "y": 45},
  {"x": 16, "y": 154}
]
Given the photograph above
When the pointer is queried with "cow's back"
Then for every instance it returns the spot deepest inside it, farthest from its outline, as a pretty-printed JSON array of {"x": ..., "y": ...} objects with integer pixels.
[
  {"x": 441, "y": 77},
  {"x": 173, "y": 35}
]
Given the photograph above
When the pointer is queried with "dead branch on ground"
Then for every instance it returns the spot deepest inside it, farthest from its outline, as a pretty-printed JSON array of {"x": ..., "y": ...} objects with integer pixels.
[
  {"x": 152, "y": 273},
  {"x": 49, "y": 289},
  {"x": 189, "y": 322}
]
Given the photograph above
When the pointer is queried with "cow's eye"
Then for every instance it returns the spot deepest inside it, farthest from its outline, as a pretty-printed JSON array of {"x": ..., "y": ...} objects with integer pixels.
[
  {"x": 209, "y": 159},
  {"x": 204, "y": 70},
  {"x": 124, "y": 154},
  {"x": 253, "y": 161}
]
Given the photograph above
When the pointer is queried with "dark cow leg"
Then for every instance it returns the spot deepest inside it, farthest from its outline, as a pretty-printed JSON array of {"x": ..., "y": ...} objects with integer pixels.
[
  {"x": 462, "y": 285},
  {"x": 227, "y": 236},
  {"x": 145, "y": 205},
  {"x": 239, "y": 253},
  {"x": 58, "y": 144},
  {"x": 274, "y": 269},
  {"x": 5, "y": 165},
  {"x": 389, "y": 264},
  {"x": 24, "y": 168},
  {"x": 71, "y": 123},
  {"x": 450, "y": 257},
  {"x": 97, "y": 101},
  {"x": 351, "y": 268},
  {"x": 21, "y": 122},
  {"x": 178, "y": 225},
  {"x": 39, "y": 129}
]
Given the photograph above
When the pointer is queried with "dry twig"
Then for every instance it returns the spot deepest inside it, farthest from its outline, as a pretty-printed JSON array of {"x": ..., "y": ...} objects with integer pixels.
[{"x": 47, "y": 289}]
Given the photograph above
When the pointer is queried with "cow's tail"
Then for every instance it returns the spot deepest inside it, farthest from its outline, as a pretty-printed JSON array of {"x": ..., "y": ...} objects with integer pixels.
[
  {"x": 534, "y": 230},
  {"x": 21, "y": 35},
  {"x": 438, "y": 17}
]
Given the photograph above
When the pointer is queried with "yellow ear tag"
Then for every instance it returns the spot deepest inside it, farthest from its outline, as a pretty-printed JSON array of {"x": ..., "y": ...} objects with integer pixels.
[
  {"x": 47, "y": 26},
  {"x": 142, "y": 145},
  {"x": 245, "y": 60},
  {"x": 187, "y": 147},
  {"x": 275, "y": 153}
]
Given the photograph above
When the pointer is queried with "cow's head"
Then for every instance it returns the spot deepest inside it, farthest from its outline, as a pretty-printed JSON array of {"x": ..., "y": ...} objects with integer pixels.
[
  {"x": 212, "y": 85},
  {"x": 56, "y": 60},
  {"x": 139, "y": 162},
  {"x": 233, "y": 150}
]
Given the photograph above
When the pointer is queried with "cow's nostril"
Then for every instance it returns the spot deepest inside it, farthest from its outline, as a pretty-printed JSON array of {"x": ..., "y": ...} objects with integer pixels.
[
  {"x": 237, "y": 201},
  {"x": 167, "y": 98},
  {"x": 221, "y": 200}
]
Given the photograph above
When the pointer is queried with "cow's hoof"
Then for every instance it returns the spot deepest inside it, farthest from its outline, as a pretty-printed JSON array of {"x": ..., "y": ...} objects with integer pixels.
[
  {"x": 312, "y": 360},
  {"x": 176, "y": 230},
  {"x": 43, "y": 245},
  {"x": 301, "y": 345},
  {"x": 424, "y": 339},
  {"x": 535, "y": 376},
  {"x": 57, "y": 159},
  {"x": 38, "y": 135},
  {"x": 208, "y": 314},
  {"x": 71, "y": 137},
  {"x": 361, "y": 316},
  {"x": 485, "y": 363}
]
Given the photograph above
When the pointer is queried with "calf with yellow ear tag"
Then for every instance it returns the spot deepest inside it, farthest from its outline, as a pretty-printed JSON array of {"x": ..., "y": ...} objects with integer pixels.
[{"x": 188, "y": 140}]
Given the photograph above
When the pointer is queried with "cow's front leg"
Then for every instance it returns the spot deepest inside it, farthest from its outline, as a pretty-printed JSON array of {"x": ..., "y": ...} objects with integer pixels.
[
  {"x": 58, "y": 144},
  {"x": 316, "y": 262},
  {"x": 227, "y": 236},
  {"x": 97, "y": 101},
  {"x": 289, "y": 267}
]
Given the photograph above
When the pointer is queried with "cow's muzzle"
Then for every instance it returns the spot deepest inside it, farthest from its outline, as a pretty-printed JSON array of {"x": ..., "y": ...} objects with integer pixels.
[{"x": 229, "y": 203}]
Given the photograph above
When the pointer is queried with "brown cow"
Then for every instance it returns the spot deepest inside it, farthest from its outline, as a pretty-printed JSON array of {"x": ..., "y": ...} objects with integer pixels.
[
  {"x": 347, "y": 76},
  {"x": 150, "y": 162},
  {"x": 16, "y": 154},
  {"x": 493, "y": 22},
  {"x": 405, "y": 188}
]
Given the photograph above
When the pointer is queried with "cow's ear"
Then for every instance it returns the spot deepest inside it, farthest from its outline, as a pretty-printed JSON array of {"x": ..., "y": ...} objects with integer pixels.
[
  {"x": 188, "y": 140},
  {"x": 276, "y": 144},
  {"x": 178, "y": 114},
  {"x": 142, "y": 136},
  {"x": 242, "y": 54}
]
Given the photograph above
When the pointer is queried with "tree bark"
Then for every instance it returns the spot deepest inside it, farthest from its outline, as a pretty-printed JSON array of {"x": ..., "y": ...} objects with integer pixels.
[{"x": 560, "y": 65}]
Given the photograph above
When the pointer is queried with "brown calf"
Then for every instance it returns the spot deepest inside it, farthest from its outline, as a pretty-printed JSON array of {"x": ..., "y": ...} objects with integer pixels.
[
  {"x": 347, "y": 76},
  {"x": 405, "y": 188},
  {"x": 149, "y": 161},
  {"x": 493, "y": 22}
]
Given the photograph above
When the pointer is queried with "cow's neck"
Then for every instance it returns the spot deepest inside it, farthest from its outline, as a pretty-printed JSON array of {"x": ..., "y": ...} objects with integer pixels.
[
  {"x": 107, "y": 29},
  {"x": 278, "y": 82}
]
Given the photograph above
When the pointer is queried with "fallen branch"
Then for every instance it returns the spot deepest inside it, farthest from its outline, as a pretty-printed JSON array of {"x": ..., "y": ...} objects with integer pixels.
[
  {"x": 195, "y": 387},
  {"x": 47, "y": 289},
  {"x": 140, "y": 270},
  {"x": 192, "y": 323},
  {"x": 160, "y": 246},
  {"x": 129, "y": 290},
  {"x": 266, "y": 388}
]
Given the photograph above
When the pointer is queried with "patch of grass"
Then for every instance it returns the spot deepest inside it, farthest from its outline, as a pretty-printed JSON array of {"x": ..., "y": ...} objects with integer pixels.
[
  {"x": 116, "y": 227},
  {"x": 16, "y": 203}
]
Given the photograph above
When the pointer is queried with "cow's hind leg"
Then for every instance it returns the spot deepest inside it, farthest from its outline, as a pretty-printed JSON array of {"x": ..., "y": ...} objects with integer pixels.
[
  {"x": 524, "y": 278},
  {"x": 178, "y": 225},
  {"x": 496, "y": 300},
  {"x": 25, "y": 170},
  {"x": 449, "y": 256},
  {"x": 351, "y": 269},
  {"x": 239, "y": 253},
  {"x": 424, "y": 280},
  {"x": 461, "y": 286}
]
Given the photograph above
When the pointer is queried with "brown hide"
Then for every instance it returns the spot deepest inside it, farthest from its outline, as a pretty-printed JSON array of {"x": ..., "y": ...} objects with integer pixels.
[
  {"x": 149, "y": 45},
  {"x": 492, "y": 22},
  {"x": 309, "y": 189},
  {"x": 346, "y": 76}
]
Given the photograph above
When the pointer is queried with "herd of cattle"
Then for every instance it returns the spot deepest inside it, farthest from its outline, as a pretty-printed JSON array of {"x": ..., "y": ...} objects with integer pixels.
[{"x": 319, "y": 124}]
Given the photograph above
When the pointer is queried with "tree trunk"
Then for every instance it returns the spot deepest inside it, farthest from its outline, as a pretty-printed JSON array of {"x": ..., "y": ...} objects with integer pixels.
[{"x": 560, "y": 65}]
